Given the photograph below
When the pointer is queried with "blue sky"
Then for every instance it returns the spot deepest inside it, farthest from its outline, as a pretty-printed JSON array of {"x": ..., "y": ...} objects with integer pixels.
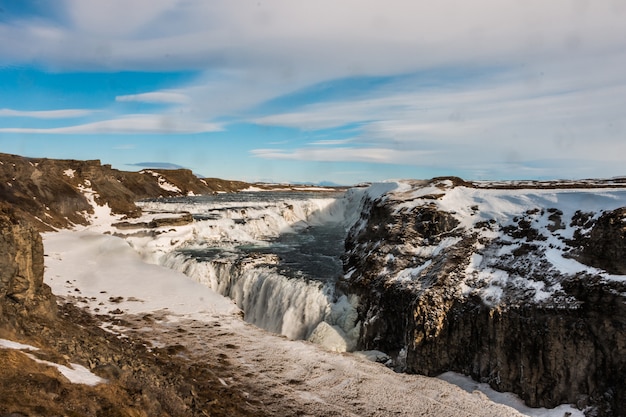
[{"x": 311, "y": 91}]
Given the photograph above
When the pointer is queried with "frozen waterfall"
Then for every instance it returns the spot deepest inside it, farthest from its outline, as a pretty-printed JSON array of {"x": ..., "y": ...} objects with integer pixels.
[{"x": 275, "y": 254}]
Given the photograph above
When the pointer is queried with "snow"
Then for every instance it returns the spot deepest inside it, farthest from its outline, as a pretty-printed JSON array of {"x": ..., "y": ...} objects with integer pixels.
[
  {"x": 77, "y": 374},
  {"x": 102, "y": 215},
  {"x": 410, "y": 274},
  {"x": 99, "y": 268},
  {"x": 69, "y": 172},
  {"x": 162, "y": 181},
  {"x": 8, "y": 344},
  {"x": 475, "y": 207},
  {"x": 512, "y": 400}
]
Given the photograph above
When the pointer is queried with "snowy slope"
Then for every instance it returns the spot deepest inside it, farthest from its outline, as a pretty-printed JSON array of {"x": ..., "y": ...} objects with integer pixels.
[{"x": 495, "y": 216}]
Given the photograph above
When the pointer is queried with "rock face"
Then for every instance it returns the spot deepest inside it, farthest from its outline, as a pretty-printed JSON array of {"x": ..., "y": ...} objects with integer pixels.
[
  {"x": 52, "y": 193},
  {"x": 461, "y": 279},
  {"x": 606, "y": 244},
  {"x": 22, "y": 291}
]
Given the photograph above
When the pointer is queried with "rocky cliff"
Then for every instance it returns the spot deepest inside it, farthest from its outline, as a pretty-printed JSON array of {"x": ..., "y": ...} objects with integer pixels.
[
  {"x": 492, "y": 283},
  {"x": 53, "y": 194},
  {"x": 22, "y": 291}
]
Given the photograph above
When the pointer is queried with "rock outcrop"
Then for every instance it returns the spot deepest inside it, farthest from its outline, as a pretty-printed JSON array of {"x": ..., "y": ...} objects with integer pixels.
[
  {"x": 606, "y": 245},
  {"x": 22, "y": 291},
  {"x": 446, "y": 285},
  {"x": 51, "y": 193}
]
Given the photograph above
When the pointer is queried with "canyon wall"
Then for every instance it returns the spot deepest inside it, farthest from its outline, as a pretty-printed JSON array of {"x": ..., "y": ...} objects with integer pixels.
[{"x": 551, "y": 337}]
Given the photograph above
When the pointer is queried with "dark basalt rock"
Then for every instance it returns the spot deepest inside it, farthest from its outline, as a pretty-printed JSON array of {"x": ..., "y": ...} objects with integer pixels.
[
  {"x": 605, "y": 247},
  {"x": 570, "y": 348}
]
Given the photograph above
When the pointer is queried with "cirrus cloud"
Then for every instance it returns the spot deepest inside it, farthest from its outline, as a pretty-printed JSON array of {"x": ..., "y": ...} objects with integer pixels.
[{"x": 135, "y": 124}]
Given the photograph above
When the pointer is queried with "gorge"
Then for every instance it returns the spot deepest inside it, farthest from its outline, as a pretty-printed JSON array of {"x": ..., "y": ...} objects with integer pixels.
[{"x": 517, "y": 284}]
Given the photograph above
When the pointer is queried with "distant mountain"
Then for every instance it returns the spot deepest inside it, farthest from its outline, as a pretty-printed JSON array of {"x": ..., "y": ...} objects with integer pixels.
[{"x": 159, "y": 165}]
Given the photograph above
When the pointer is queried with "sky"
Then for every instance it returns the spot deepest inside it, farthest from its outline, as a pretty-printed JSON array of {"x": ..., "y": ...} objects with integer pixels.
[{"x": 319, "y": 91}]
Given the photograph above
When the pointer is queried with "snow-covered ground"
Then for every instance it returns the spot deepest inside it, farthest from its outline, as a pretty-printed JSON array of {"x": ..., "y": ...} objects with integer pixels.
[
  {"x": 103, "y": 272},
  {"x": 109, "y": 276}
]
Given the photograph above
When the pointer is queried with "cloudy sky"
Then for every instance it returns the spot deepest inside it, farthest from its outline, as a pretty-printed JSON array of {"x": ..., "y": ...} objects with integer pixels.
[{"x": 325, "y": 90}]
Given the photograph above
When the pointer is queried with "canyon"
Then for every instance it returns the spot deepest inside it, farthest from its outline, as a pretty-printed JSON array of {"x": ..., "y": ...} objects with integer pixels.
[{"x": 517, "y": 284}]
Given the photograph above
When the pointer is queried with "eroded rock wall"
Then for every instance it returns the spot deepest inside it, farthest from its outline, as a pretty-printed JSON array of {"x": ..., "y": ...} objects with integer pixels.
[
  {"x": 22, "y": 291},
  {"x": 568, "y": 348}
]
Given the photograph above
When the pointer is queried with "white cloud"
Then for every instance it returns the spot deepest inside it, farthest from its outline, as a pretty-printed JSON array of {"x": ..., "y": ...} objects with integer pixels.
[
  {"x": 551, "y": 84},
  {"x": 345, "y": 154},
  {"x": 157, "y": 124},
  {"x": 155, "y": 97},
  {"x": 46, "y": 114},
  {"x": 317, "y": 40},
  {"x": 331, "y": 142}
]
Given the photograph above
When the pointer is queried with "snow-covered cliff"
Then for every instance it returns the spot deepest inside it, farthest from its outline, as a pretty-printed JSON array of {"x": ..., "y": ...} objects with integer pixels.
[{"x": 503, "y": 282}]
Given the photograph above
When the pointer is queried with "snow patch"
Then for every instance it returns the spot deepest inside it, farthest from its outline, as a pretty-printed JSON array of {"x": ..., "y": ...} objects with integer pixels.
[
  {"x": 8, "y": 344},
  {"x": 77, "y": 374},
  {"x": 507, "y": 398},
  {"x": 163, "y": 183}
]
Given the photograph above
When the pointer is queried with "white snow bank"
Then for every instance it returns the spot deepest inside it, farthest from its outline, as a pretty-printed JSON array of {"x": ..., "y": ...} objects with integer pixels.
[
  {"x": 506, "y": 398},
  {"x": 8, "y": 344},
  {"x": 107, "y": 274}
]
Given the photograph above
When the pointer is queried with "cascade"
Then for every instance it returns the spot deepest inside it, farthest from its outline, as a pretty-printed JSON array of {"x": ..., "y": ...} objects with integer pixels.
[{"x": 276, "y": 255}]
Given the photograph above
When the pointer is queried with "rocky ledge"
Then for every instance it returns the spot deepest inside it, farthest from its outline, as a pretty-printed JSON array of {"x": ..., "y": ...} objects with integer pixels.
[{"x": 510, "y": 286}]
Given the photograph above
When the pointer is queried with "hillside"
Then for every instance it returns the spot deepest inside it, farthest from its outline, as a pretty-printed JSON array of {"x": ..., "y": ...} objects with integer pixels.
[{"x": 56, "y": 194}]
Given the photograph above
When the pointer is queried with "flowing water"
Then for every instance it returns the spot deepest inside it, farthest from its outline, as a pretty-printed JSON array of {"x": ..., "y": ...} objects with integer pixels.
[{"x": 276, "y": 254}]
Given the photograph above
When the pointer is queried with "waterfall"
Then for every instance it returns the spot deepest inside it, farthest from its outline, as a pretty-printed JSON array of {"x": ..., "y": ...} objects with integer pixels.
[
  {"x": 288, "y": 306},
  {"x": 234, "y": 247}
]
